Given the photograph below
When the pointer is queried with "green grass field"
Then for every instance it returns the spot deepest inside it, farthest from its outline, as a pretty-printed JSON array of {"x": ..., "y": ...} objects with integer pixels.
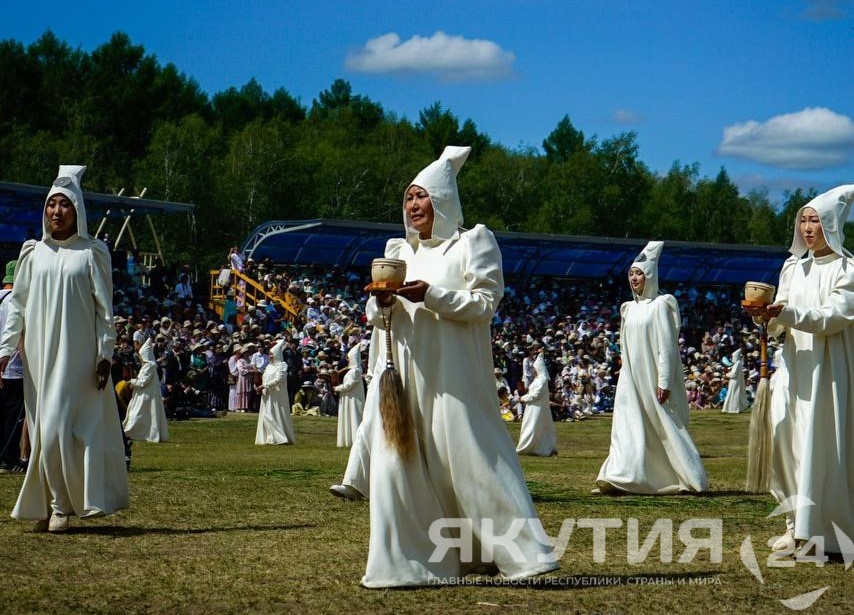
[{"x": 219, "y": 525}]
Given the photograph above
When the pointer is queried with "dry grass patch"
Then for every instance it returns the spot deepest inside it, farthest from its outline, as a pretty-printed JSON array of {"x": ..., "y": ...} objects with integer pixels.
[{"x": 219, "y": 525}]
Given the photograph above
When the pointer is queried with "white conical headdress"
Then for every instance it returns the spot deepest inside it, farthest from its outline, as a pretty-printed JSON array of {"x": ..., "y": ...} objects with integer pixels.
[
  {"x": 354, "y": 356},
  {"x": 276, "y": 352},
  {"x": 736, "y": 356},
  {"x": 647, "y": 261},
  {"x": 540, "y": 366},
  {"x": 146, "y": 352},
  {"x": 832, "y": 208},
  {"x": 439, "y": 179},
  {"x": 67, "y": 183}
]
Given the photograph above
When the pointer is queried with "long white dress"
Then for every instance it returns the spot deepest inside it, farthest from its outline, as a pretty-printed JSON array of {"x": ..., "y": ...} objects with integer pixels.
[
  {"x": 812, "y": 401},
  {"x": 275, "y": 425},
  {"x": 146, "y": 416},
  {"x": 651, "y": 450},
  {"x": 232, "y": 388},
  {"x": 358, "y": 470},
  {"x": 465, "y": 465},
  {"x": 62, "y": 303},
  {"x": 351, "y": 403},
  {"x": 736, "y": 393},
  {"x": 538, "y": 435}
]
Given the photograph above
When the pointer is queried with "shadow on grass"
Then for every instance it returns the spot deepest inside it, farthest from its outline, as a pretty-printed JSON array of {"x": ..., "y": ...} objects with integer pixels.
[
  {"x": 540, "y": 495},
  {"x": 128, "y": 532},
  {"x": 731, "y": 493}
]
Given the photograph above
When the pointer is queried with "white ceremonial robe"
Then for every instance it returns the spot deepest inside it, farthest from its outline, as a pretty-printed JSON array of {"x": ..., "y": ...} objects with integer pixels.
[
  {"x": 736, "y": 393},
  {"x": 232, "y": 388},
  {"x": 464, "y": 465},
  {"x": 812, "y": 400},
  {"x": 62, "y": 304},
  {"x": 651, "y": 450},
  {"x": 538, "y": 435},
  {"x": 275, "y": 425},
  {"x": 358, "y": 470},
  {"x": 351, "y": 403},
  {"x": 146, "y": 416}
]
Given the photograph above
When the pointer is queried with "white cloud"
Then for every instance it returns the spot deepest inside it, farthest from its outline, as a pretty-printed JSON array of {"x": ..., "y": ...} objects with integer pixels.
[
  {"x": 452, "y": 58},
  {"x": 625, "y": 116},
  {"x": 814, "y": 138}
]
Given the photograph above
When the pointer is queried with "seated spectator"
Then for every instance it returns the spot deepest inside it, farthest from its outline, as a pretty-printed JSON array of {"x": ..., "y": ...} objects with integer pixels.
[{"x": 306, "y": 401}]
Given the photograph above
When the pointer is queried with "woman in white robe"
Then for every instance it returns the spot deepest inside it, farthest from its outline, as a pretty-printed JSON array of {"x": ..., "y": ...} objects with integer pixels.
[
  {"x": 275, "y": 425},
  {"x": 354, "y": 485},
  {"x": 651, "y": 450},
  {"x": 233, "y": 374},
  {"x": 538, "y": 435},
  {"x": 62, "y": 306},
  {"x": 736, "y": 393},
  {"x": 146, "y": 416},
  {"x": 812, "y": 400},
  {"x": 351, "y": 399},
  {"x": 462, "y": 464}
]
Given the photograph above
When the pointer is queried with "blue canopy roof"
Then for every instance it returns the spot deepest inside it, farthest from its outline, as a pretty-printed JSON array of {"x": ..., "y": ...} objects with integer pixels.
[
  {"x": 21, "y": 207},
  {"x": 345, "y": 243}
]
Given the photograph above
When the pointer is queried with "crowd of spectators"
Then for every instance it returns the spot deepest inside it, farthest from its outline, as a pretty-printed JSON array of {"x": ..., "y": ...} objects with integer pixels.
[{"x": 209, "y": 364}]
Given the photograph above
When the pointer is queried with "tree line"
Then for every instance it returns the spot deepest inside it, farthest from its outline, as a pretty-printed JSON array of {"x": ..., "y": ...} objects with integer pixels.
[{"x": 245, "y": 156}]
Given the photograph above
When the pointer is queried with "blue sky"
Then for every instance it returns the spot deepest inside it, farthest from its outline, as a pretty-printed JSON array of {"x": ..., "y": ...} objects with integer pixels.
[{"x": 763, "y": 88}]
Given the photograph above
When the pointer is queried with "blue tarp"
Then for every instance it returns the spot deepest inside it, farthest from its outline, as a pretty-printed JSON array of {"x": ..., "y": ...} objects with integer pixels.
[
  {"x": 21, "y": 207},
  {"x": 344, "y": 243}
]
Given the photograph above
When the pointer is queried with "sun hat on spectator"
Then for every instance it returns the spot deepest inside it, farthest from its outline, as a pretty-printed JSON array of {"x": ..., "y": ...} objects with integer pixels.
[{"x": 10, "y": 272}]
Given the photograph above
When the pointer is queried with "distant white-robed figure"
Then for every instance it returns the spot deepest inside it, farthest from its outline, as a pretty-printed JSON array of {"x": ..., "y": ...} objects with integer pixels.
[
  {"x": 351, "y": 401},
  {"x": 62, "y": 307},
  {"x": 736, "y": 393},
  {"x": 651, "y": 450},
  {"x": 812, "y": 392},
  {"x": 538, "y": 435},
  {"x": 146, "y": 416},
  {"x": 275, "y": 425}
]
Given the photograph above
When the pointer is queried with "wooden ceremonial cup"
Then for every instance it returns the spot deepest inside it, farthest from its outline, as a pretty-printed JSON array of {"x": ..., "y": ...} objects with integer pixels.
[
  {"x": 758, "y": 294},
  {"x": 387, "y": 274}
]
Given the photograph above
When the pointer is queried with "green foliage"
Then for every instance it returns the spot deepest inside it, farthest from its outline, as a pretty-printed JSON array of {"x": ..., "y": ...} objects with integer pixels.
[
  {"x": 245, "y": 156},
  {"x": 439, "y": 127}
]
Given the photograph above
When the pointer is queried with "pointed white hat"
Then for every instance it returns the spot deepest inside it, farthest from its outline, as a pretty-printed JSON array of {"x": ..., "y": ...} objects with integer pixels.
[
  {"x": 439, "y": 179},
  {"x": 832, "y": 207},
  {"x": 146, "y": 352},
  {"x": 67, "y": 183},
  {"x": 647, "y": 261},
  {"x": 276, "y": 351},
  {"x": 540, "y": 366},
  {"x": 354, "y": 356}
]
